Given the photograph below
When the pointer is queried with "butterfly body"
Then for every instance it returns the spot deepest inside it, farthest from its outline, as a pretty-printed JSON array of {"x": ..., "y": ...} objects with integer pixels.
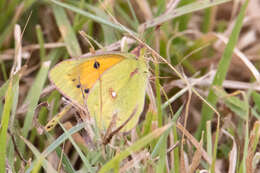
[{"x": 107, "y": 85}]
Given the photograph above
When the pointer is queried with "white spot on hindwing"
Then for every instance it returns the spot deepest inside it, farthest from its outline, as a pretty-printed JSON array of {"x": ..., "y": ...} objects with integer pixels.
[{"x": 112, "y": 93}]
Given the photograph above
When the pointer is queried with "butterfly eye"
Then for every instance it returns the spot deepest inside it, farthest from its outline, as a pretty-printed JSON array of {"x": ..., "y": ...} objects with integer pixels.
[
  {"x": 78, "y": 86},
  {"x": 96, "y": 65}
]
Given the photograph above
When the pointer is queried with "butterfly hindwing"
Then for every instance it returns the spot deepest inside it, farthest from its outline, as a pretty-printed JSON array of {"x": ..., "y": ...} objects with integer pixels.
[{"x": 123, "y": 92}]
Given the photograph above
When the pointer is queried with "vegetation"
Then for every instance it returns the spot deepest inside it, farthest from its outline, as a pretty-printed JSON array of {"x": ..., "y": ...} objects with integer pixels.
[{"x": 202, "y": 106}]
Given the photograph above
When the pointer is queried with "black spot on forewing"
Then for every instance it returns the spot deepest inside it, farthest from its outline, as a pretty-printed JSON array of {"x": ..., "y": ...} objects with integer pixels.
[
  {"x": 86, "y": 90},
  {"x": 78, "y": 86},
  {"x": 96, "y": 65}
]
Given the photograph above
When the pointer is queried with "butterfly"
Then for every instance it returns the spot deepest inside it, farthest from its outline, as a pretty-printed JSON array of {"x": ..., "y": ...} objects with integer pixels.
[{"x": 107, "y": 85}]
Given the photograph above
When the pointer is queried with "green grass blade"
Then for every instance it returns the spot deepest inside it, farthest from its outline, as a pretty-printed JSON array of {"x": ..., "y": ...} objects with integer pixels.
[
  {"x": 133, "y": 13},
  {"x": 196, "y": 6},
  {"x": 4, "y": 125},
  {"x": 3, "y": 69},
  {"x": 158, "y": 145},
  {"x": 239, "y": 107},
  {"x": 158, "y": 95},
  {"x": 10, "y": 25},
  {"x": 76, "y": 20},
  {"x": 62, "y": 138},
  {"x": 161, "y": 164},
  {"x": 83, "y": 158},
  {"x": 54, "y": 146},
  {"x": 40, "y": 160},
  {"x": 256, "y": 99},
  {"x": 242, "y": 168},
  {"x": 114, "y": 162},
  {"x": 65, "y": 161},
  {"x": 67, "y": 31},
  {"x": 161, "y": 7},
  {"x": 89, "y": 15},
  {"x": 221, "y": 73},
  {"x": 33, "y": 97},
  {"x": 176, "y": 153},
  {"x": 108, "y": 32},
  {"x": 207, "y": 22},
  {"x": 10, "y": 147},
  {"x": 4, "y": 87},
  {"x": 160, "y": 150},
  {"x": 2, "y": 4},
  {"x": 126, "y": 17},
  {"x": 209, "y": 139},
  {"x": 41, "y": 42},
  {"x": 184, "y": 20}
]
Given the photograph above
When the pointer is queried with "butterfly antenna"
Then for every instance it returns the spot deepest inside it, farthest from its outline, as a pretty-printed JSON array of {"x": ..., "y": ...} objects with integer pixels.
[{"x": 88, "y": 38}]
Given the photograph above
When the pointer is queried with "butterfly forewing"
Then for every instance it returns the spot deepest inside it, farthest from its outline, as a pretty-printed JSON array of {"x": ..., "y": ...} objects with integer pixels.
[{"x": 75, "y": 78}]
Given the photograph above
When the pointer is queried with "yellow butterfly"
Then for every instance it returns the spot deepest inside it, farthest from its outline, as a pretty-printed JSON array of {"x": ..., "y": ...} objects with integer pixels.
[{"x": 107, "y": 85}]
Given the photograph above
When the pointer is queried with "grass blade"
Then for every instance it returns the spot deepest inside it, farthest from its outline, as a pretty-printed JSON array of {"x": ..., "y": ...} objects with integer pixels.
[
  {"x": 67, "y": 31},
  {"x": 40, "y": 158},
  {"x": 221, "y": 73},
  {"x": 56, "y": 144},
  {"x": 33, "y": 97},
  {"x": 196, "y": 6},
  {"x": 83, "y": 158},
  {"x": 113, "y": 163},
  {"x": 89, "y": 15},
  {"x": 4, "y": 125}
]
